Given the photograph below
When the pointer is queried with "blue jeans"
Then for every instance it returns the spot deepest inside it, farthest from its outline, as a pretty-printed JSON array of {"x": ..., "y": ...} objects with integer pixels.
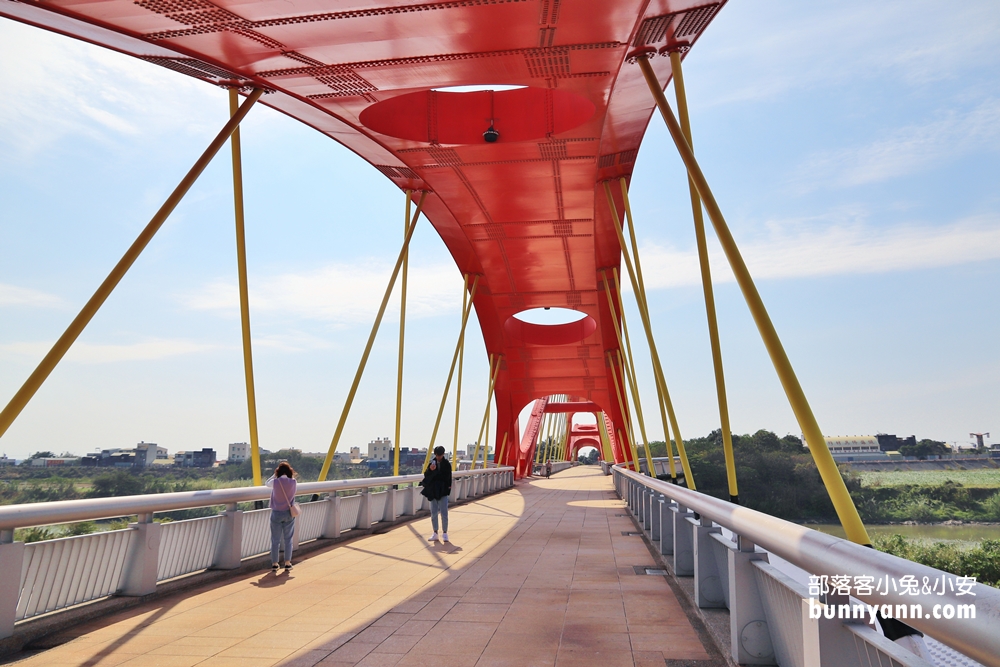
[
  {"x": 439, "y": 507},
  {"x": 282, "y": 527}
]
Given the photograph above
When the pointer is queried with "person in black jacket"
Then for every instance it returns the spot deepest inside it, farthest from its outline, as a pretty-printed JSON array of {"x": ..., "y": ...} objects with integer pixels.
[{"x": 437, "y": 488}]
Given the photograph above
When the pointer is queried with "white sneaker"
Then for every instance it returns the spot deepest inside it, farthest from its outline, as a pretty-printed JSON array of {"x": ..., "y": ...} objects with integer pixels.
[
  {"x": 444, "y": 537},
  {"x": 433, "y": 538}
]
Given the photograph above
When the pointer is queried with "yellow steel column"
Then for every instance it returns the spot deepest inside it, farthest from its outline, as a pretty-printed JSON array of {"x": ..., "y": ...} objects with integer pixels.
[
  {"x": 371, "y": 341},
  {"x": 503, "y": 449},
  {"x": 402, "y": 332},
  {"x": 640, "y": 299},
  {"x": 631, "y": 363},
  {"x": 629, "y": 376},
  {"x": 241, "y": 270},
  {"x": 489, "y": 402},
  {"x": 706, "y": 283},
  {"x": 624, "y": 411},
  {"x": 489, "y": 380},
  {"x": 80, "y": 322},
  {"x": 602, "y": 429},
  {"x": 461, "y": 363},
  {"x": 828, "y": 470},
  {"x": 451, "y": 371}
]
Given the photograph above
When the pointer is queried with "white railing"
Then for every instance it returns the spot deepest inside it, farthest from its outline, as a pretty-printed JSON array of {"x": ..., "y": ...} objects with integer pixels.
[
  {"x": 772, "y": 615},
  {"x": 65, "y": 572},
  {"x": 557, "y": 466}
]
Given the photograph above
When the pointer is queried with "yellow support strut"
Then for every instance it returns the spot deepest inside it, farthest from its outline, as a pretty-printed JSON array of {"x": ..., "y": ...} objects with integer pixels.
[
  {"x": 402, "y": 332},
  {"x": 841, "y": 498},
  {"x": 461, "y": 363},
  {"x": 451, "y": 372},
  {"x": 80, "y": 322},
  {"x": 706, "y": 283},
  {"x": 241, "y": 269},
  {"x": 489, "y": 401},
  {"x": 629, "y": 375},
  {"x": 631, "y": 363},
  {"x": 503, "y": 449},
  {"x": 371, "y": 340},
  {"x": 625, "y": 416},
  {"x": 640, "y": 299}
]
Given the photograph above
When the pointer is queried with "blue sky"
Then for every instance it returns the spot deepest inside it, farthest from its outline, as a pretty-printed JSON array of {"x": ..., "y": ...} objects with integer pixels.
[{"x": 854, "y": 147}]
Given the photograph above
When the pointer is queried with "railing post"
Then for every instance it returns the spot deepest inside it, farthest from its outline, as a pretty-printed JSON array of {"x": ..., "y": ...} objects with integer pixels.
[
  {"x": 666, "y": 526},
  {"x": 365, "y": 510},
  {"x": 11, "y": 560},
  {"x": 683, "y": 542},
  {"x": 139, "y": 577},
  {"x": 654, "y": 516},
  {"x": 707, "y": 582},
  {"x": 332, "y": 527},
  {"x": 390, "y": 513},
  {"x": 228, "y": 554},
  {"x": 409, "y": 504},
  {"x": 749, "y": 637}
]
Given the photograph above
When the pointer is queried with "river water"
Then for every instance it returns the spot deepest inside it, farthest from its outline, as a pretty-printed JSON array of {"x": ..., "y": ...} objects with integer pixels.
[{"x": 932, "y": 532}]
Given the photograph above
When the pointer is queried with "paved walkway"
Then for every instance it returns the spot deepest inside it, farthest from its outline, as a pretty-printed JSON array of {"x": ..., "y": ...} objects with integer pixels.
[{"x": 539, "y": 575}]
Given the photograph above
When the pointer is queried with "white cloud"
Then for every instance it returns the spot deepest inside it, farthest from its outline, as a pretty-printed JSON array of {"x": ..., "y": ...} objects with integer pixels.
[
  {"x": 12, "y": 295},
  {"x": 799, "y": 249},
  {"x": 94, "y": 353},
  {"x": 762, "y": 50},
  {"x": 67, "y": 87},
  {"x": 338, "y": 293},
  {"x": 904, "y": 151}
]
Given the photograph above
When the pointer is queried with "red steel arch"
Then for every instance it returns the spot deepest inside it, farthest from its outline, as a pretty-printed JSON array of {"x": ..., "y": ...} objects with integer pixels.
[{"x": 527, "y": 212}]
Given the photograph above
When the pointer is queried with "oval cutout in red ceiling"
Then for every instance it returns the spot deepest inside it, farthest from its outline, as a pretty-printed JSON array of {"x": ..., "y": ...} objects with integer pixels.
[
  {"x": 549, "y": 334},
  {"x": 461, "y": 118}
]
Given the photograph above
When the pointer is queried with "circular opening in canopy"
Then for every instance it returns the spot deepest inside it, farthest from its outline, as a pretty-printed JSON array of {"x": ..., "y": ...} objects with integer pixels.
[
  {"x": 476, "y": 88},
  {"x": 553, "y": 315},
  {"x": 524, "y": 326},
  {"x": 520, "y": 114}
]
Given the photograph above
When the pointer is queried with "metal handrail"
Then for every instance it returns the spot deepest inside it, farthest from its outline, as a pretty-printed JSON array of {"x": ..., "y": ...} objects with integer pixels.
[
  {"x": 822, "y": 554},
  {"x": 69, "y": 511}
]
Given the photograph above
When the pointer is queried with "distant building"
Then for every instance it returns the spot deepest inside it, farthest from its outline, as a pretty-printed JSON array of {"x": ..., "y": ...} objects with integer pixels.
[
  {"x": 145, "y": 454},
  {"x": 203, "y": 459},
  {"x": 161, "y": 453},
  {"x": 853, "y": 447},
  {"x": 470, "y": 451},
  {"x": 890, "y": 443},
  {"x": 55, "y": 461},
  {"x": 4, "y": 461},
  {"x": 114, "y": 457},
  {"x": 355, "y": 453},
  {"x": 380, "y": 449},
  {"x": 238, "y": 452}
]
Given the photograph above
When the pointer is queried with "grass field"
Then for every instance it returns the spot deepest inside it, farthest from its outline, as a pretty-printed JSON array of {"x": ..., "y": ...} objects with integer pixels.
[{"x": 974, "y": 478}]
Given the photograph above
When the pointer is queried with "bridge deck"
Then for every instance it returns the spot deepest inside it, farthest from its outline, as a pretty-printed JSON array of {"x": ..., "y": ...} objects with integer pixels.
[{"x": 537, "y": 575}]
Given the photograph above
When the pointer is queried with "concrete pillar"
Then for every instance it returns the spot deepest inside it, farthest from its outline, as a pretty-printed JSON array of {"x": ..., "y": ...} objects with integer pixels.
[
  {"x": 365, "y": 511},
  {"x": 11, "y": 560},
  {"x": 707, "y": 582},
  {"x": 139, "y": 575},
  {"x": 750, "y": 639},
  {"x": 332, "y": 527},
  {"x": 666, "y": 526},
  {"x": 390, "y": 505},
  {"x": 654, "y": 516},
  {"x": 683, "y": 542},
  {"x": 229, "y": 552}
]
